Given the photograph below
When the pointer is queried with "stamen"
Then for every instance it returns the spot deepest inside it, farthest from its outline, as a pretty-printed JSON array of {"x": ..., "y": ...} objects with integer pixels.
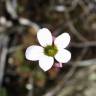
[{"x": 50, "y": 50}]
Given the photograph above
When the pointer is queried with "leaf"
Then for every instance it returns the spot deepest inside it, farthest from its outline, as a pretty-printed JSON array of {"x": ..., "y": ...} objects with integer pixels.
[
  {"x": 19, "y": 56},
  {"x": 3, "y": 92},
  {"x": 39, "y": 75},
  {"x": 24, "y": 68}
]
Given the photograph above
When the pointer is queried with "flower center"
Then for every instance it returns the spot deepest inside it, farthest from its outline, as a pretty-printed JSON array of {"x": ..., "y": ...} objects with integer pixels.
[{"x": 50, "y": 50}]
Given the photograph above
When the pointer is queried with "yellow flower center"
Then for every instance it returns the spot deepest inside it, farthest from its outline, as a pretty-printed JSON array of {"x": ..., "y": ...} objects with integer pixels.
[{"x": 50, "y": 50}]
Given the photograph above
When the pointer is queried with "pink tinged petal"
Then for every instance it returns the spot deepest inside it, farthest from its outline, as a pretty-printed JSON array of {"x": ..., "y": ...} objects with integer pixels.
[
  {"x": 44, "y": 37},
  {"x": 62, "y": 41},
  {"x": 53, "y": 38},
  {"x": 59, "y": 65},
  {"x": 46, "y": 62},
  {"x": 33, "y": 52},
  {"x": 63, "y": 56}
]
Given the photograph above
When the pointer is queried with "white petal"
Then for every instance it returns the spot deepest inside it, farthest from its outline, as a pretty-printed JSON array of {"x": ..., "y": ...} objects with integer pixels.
[
  {"x": 63, "y": 56},
  {"x": 62, "y": 41},
  {"x": 33, "y": 52},
  {"x": 46, "y": 62},
  {"x": 44, "y": 37}
]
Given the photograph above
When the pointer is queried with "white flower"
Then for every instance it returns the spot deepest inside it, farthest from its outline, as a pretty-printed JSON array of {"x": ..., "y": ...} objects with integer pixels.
[{"x": 49, "y": 49}]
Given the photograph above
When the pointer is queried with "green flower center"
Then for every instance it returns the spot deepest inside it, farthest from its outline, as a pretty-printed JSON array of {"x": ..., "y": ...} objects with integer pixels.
[{"x": 50, "y": 50}]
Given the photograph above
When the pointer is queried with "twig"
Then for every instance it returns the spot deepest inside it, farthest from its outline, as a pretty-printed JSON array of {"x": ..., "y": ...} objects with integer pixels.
[
  {"x": 30, "y": 93},
  {"x": 85, "y": 44},
  {"x": 13, "y": 49},
  {"x": 61, "y": 83},
  {"x": 84, "y": 63},
  {"x": 3, "y": 57},
  {"x": 72, "y": 28}
]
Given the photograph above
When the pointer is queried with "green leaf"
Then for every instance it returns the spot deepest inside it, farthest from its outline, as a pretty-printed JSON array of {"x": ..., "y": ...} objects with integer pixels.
[
  {"x": 3, "y": 92},
  {"x": 20, "y": 55},
  {"x": 39, "y": 75},
  {"x": 24, "y": 68}
]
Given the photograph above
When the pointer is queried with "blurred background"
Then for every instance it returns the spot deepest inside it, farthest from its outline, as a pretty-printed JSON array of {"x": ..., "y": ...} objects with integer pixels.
[{"x": 19, "y": 22}]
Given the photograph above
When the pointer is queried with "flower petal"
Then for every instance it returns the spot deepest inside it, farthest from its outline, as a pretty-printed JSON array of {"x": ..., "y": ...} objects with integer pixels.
[
  {"x": 63, "y": 56},
  {"x": 33, "y": 52},
  {"x": 62, "y": 41},
  {"x": 44, "y": 37},
  {"x": 58, "y": 65},
  {"x": 46, "y": 62}
]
